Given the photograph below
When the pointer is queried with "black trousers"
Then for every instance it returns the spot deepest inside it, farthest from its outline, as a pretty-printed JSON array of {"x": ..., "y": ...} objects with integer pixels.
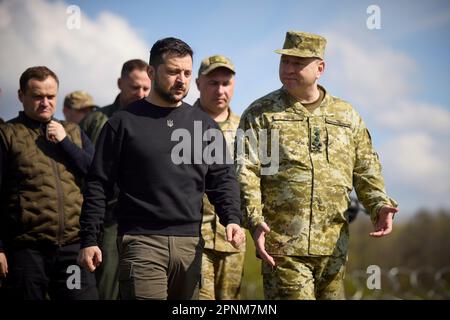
[{"x": 41, "y": 272}]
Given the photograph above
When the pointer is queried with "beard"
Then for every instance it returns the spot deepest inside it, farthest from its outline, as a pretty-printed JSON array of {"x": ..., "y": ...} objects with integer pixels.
[{"x": 167, "y": 95}]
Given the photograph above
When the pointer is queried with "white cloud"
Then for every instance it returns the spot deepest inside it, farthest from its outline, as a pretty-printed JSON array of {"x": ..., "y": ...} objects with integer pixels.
[
  {"x": 89, "y": 58},
  {"x": 378, "y": 80},
  {"x": 416, "y": 170},
  {"x": 416, "y": 158},
  {"x": 372, "y": 75},
  {"x": 413, "y": 134},
  {"x": 408, "y": 115}
]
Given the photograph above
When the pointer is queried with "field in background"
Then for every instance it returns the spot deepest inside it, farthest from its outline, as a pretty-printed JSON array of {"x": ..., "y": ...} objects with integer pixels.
[{"x": 414, "y": 260}]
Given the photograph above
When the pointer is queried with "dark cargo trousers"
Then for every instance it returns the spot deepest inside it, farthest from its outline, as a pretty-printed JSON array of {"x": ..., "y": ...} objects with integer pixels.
[
  {"x": 159, "y": 267},
  {"x": 40, "y": 272}
]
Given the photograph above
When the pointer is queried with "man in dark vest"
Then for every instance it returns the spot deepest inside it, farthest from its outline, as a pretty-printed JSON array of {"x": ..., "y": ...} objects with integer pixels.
[{"x": 42, "y": 165}]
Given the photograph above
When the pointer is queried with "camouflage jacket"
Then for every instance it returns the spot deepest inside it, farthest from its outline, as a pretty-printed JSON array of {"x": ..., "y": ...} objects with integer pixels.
[
  {"x": 93, "y": 123},
  {"x": 321, "y": 157},
  {"x": 212, "y": 231}
]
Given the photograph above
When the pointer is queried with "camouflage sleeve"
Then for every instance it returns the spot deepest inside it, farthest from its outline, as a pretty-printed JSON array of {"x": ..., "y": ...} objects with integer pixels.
[
  {"x": 367, "y": 177},
  {"x": 248, "y": 168},
  {"x": 92, "y": 125}
]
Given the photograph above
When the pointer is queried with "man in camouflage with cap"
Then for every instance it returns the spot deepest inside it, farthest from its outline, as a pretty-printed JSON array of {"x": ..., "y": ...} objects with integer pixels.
[
  {"x": 77, "y": 105},
  {"x": 222, "y": 264},
  {"x": 296, "y": 212}
]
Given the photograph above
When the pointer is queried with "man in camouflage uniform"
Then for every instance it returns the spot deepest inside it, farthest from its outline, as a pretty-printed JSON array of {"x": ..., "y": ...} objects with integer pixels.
[
  {"x": 77, "y": 105},
  {"x": 134, "y": 84},
  {"x": 295, "y": 212},
  {"x": 222, "y": 264}
]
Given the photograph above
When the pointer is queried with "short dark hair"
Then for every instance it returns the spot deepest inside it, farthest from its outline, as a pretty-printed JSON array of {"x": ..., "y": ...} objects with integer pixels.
[
  {"x": 134, "y": 64},
  {"x": 164, "y": 46},
  {"x": 39, "y": 72}
]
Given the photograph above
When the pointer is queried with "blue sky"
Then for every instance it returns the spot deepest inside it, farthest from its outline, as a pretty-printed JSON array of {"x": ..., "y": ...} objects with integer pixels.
[{"x": 397, "y": 77}]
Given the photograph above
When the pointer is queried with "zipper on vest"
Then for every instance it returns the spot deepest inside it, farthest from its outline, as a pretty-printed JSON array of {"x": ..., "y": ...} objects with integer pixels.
[{"x": 60, "y": 198}]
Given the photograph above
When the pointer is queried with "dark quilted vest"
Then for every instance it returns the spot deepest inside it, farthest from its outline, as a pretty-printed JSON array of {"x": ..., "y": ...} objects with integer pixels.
[{"x": 41, "y": 190}]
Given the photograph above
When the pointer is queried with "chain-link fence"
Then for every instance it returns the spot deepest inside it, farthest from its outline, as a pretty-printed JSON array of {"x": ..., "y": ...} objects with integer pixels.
[{"x": 400, "y": 283}]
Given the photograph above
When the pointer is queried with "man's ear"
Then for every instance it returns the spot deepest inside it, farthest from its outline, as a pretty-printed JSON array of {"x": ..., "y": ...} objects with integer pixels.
[
  {"x": 65, "y": 111},
  {"x": 321, "y": 67},
  {"x": 20, "y": 95},
  {"x": 197, "y": 82},
  {"x": 119, "y": 84},
  {"x": 151, "y": 72}
]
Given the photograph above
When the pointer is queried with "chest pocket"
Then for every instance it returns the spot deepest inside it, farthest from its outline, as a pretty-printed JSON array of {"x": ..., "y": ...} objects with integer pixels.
[
  {"x": 293, "y": 137},
  {"x": 340, "y": 146}
]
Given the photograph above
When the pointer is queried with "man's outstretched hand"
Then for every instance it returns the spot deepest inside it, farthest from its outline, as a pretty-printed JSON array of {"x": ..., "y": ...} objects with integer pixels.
[
  {"x": 259, "y": 237},
  {"x": 384, "y": 223}
]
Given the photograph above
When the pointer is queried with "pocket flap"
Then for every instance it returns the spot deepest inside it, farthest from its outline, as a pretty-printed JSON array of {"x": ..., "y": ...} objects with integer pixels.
[
  {"x": 287, "y": 117},
  {"x": 338, "y": 123}
]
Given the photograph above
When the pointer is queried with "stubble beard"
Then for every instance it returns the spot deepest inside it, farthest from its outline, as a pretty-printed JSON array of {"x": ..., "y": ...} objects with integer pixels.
[{"x": 167, "y": 95}]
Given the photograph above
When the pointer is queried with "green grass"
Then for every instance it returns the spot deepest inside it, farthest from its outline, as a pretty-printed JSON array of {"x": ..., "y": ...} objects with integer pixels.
[{"x": 251, "y": 288}]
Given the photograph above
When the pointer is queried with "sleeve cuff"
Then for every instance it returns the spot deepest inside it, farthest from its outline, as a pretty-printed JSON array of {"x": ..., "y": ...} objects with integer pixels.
[
  {"x": 65, "y": 141},
  {"x": 88, "y": 241},
  {"x": 253, "y": 224},
  {"x": 376, "y": 209}
]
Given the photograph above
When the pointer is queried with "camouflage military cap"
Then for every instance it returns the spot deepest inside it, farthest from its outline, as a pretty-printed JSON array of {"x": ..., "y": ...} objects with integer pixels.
[
  {"x": 217, "y": 61},
  {"x": 78, "y": 100},
  {"x": 303, "y": 45}
]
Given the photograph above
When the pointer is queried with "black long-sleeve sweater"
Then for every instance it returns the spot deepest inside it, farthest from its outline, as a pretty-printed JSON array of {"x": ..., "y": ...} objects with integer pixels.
[{"x": 140, "y": 149}]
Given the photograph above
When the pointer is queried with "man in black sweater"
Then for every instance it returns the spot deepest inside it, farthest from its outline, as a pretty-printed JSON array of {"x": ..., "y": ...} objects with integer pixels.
[{"x": 157, "y": 151}]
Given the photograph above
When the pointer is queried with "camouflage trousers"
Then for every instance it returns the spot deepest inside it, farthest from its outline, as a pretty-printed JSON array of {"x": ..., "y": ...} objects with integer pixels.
[
  {"x": 304, "y": 278},
  {"x": 221, "y": 275}
]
